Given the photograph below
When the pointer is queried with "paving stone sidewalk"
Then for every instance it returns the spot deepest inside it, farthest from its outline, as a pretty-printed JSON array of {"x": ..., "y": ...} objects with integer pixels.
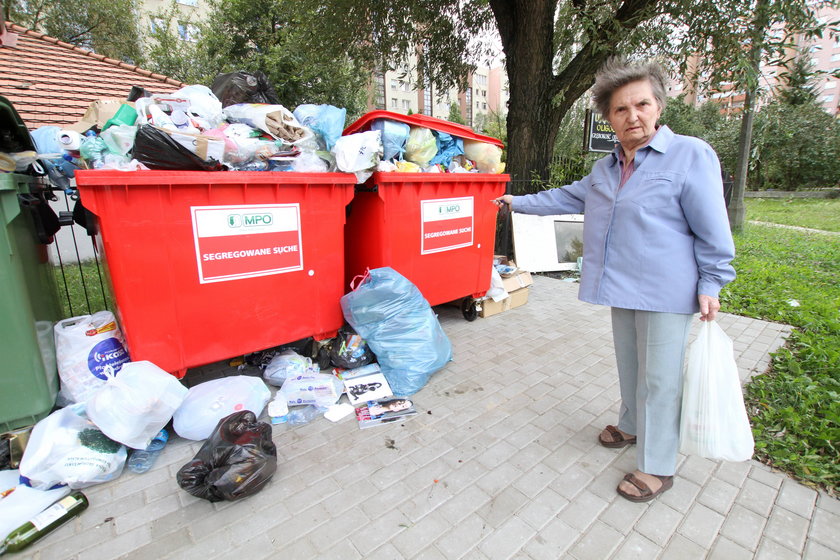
[{"x": 502, "y": 462}]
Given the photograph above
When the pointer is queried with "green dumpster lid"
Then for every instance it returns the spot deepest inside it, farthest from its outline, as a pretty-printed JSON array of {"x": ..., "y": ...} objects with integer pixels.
[{"x": 14, "y": 136}]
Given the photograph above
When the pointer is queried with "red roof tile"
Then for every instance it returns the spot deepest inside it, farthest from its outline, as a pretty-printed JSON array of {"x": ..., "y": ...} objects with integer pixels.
[{"x": 51, "y": 82}]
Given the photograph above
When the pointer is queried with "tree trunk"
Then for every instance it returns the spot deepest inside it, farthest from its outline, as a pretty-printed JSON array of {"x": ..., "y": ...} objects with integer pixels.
[
  {"x": 527, "y": 30},
  {"x": 538, "y": 99},
  {"x": 737, "y": 210}
]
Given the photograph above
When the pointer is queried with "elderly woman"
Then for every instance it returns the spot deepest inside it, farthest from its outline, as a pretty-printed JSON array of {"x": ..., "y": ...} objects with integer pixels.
[{"x": 656, "y": 249}]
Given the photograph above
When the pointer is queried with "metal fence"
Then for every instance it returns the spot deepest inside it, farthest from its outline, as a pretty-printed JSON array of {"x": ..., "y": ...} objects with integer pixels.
[{"x": 78, "y": 269}]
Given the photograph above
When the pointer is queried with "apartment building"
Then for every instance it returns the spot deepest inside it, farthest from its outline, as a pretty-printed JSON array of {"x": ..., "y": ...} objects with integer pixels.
[
  {"x": 188, "y": 14},
  {"x": 400, "y": 90},
  {"x": 824, "y": 53}
]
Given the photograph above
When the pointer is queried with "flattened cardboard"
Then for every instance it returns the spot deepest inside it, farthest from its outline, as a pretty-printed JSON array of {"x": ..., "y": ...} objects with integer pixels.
[
  {"x": 97, "y": 114},
  {"x": 516, "y": 299}
]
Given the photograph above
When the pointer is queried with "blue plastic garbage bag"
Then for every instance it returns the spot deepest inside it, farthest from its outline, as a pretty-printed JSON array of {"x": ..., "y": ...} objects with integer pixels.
[
  {"x": 397, "y": 322},
  {"x": 324, "y": 120},
  {"x": 448, "y": 147},
  {"x": 394, "y": 136}
]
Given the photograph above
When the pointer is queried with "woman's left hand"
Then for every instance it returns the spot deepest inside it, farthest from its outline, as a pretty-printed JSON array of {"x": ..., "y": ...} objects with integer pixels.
[{"x": 709, "y": 307}]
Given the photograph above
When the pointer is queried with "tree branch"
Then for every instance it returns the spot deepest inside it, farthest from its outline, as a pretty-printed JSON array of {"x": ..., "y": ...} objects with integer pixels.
[{"x": 579, "y": 75}]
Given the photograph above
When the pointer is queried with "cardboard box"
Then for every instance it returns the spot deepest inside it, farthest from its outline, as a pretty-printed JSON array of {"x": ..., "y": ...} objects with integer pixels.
[
  {"x": 516, "y": 299},
  {"x": 515, "y": 280},
  {"x": 518, "y": 280}
]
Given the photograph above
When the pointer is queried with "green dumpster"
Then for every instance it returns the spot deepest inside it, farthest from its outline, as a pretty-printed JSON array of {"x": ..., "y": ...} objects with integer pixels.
[{"x": 28, "y": 301}]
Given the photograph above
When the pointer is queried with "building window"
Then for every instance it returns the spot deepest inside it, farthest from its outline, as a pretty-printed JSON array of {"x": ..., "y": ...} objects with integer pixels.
[
  {"x": 406, "y": 104},
  {"x": 468, "y": 98},
  {"x": 187, "y": 32},
  {"x": 484, "y": 106},
  {"x": 828, "y": 98},
  {"x": 380, "y": 90},
  {"x": 394, "y": 103},
  {"x": 393, "y": 85},
  {"x": 830, "y": 84},
  {"x": 157, "y": 24},
  {"x": 835, "y": 57},
  {"x": 427, "y": 99}
]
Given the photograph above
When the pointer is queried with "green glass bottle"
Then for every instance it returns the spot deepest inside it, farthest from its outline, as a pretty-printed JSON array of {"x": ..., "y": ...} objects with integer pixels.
[{"x": 42, "y": 524}]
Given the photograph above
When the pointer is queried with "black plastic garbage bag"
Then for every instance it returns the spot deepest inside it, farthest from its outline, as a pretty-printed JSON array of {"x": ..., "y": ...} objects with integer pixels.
[
  {"x": 158, "y": 150},
  {"x": 243, "y": 87},
  {"x": 235, "y": 462},
  {"x": 349, "y": 350}
]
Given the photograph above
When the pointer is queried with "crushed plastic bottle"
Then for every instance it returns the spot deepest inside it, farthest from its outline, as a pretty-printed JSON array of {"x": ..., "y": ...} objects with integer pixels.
[
  {"x": 141, "y": 460},
  {"x": 304, "y": 414},
  {"x": 93, "y": 150}
]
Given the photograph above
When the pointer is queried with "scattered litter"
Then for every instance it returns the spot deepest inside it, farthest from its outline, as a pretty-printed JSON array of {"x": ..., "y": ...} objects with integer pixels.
[{"x": 338, "y": 411}]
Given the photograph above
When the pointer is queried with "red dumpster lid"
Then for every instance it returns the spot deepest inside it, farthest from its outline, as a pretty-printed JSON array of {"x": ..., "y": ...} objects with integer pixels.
[{"x": 454, "y": 129}]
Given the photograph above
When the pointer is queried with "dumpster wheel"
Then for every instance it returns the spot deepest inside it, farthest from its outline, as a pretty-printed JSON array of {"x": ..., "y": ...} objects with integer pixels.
[{"x": 469, "y": 307}]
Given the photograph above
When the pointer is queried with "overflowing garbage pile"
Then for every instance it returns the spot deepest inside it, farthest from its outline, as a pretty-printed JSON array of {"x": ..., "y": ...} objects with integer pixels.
[
  {"x": 192, "y": 129},
  {"x": 114, "y": 413}
]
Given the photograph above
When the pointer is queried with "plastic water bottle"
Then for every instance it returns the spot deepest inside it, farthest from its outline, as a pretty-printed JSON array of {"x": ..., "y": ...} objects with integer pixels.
[
  {"x": 141, "y": 460},
  {"x": 93, "y": 150}
]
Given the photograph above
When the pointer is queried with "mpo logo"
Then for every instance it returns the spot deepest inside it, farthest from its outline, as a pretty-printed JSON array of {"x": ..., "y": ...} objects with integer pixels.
[
  {"x": 249, "y": 220},
  {"x": 449, "y": 208}
]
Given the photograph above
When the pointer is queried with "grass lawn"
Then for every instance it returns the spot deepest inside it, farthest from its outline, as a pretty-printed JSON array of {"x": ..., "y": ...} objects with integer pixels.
[
  {"x": 794, "y": 277},
  {"x": 816, "y": 213},
  {"x": 81, "y": 289}
]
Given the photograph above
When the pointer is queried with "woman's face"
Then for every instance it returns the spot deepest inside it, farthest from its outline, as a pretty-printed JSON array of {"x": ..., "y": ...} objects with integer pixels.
[{"x": 633, "y": 113}]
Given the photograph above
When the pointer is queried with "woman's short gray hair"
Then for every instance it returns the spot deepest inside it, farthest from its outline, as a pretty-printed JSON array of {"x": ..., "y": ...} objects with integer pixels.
[{"x": 617, "y": 72}]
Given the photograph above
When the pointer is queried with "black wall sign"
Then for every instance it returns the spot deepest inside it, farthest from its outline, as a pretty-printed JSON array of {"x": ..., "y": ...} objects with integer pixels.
[{"x": 600, "y": 136}]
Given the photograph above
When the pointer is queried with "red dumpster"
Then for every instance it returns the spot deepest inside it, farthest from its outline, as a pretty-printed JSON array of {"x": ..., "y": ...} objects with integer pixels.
[
  {"x": 205, "y": 266},
  {"x": 436, "y": 229}
]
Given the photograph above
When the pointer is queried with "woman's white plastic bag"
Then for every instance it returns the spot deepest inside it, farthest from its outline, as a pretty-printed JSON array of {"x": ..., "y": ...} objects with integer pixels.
[
  {"x": 86, "y": 348},
  {"x": 67, "y": 448},
  {"x": 209, "y": 402},
  {"x": 714, "y": 421},
  {"x": 134, "y": 405}
]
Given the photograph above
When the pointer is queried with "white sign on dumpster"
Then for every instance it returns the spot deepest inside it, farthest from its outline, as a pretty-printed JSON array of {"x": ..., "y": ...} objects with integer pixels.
[
  {"x": 447, "y": 224},
  {"x": 244, "y": 241}
]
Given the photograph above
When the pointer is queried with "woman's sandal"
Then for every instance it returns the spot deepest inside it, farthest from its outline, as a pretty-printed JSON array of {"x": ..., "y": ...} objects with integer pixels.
[
  {"x": 618, "y": 439},
  {"x": 645, "y": 493}
]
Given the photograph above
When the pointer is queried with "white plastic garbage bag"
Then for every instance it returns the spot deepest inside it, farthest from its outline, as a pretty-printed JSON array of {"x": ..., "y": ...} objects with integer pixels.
[
  {"x": 209, "y": 402},
  {"x": 288, "y": 363},
  {"x": 86, "y": 348},
  {"x": 358, "y": 153},
  {"x": 136, "y": 404},
  {"x": 67, "y": 448},
  {"x": 714, "y": 422},
  {"x": 21, "y": 503},
  {"x": 273, "y": 119}
]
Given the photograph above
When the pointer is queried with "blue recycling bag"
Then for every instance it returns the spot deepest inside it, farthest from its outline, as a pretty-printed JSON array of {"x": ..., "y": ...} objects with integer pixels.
[
  {"x": 448, "y": 147},
  {"x": 394, "y": 136},
  {"x": 400, "y": 327},
  {"x": 324, "y": 120}
]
